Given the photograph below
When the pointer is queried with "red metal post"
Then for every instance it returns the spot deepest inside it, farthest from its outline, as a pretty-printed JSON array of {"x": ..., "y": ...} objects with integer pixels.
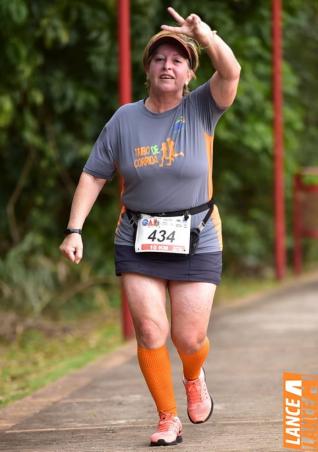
[
  {"x": 124, "y": 51},
  {"x": 297, "y": 225},
  {"x": 280, "y": 254},
  {"x": 124, "y": 64}
]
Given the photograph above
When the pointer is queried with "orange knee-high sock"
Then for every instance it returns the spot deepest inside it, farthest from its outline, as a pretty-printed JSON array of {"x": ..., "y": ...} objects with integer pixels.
[
  {"x": 192, "y": 363},
  {"x": 156, "y": 368}
]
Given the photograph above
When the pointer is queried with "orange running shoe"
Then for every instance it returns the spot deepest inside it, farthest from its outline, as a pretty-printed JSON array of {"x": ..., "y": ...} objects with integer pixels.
[
  {"x": 168, "y": 432},
  {"x": 200, "y": 403}
]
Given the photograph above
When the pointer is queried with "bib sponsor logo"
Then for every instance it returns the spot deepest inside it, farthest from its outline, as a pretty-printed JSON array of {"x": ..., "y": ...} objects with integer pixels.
[{"x": 151, "y": 222}]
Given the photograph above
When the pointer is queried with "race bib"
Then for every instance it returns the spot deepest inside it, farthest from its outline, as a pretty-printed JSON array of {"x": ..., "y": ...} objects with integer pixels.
[{"x": 163, "y": 234}]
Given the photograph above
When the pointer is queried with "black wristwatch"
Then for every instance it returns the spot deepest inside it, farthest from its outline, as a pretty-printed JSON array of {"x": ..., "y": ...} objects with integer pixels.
[{"x": 68, "y": 231}]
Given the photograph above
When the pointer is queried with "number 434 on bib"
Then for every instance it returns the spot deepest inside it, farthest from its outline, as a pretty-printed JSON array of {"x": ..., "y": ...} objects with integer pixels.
[{"x": 163, "y": 234}]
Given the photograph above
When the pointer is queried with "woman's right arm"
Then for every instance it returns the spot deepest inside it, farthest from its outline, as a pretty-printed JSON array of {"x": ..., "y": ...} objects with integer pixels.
[{"x": 85, "y": 195}]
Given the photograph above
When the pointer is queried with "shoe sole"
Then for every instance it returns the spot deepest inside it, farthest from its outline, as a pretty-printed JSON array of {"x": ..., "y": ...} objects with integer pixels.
[
  {"x": 162, "y": 442},
  {"x": 207, "y": 418}
]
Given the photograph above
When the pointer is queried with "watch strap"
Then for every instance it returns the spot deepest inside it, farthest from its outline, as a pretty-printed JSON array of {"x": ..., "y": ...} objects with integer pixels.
[{"x": 68, "y": 231}]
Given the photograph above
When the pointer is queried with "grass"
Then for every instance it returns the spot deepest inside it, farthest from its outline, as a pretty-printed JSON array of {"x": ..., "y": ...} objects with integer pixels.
[
  {"x": 35, "y": 360},
  {"x": 233, "y": 288}
]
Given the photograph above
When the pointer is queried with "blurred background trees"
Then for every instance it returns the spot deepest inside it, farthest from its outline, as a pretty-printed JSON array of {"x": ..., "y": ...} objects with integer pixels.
[{"x": 58, "y": 87}]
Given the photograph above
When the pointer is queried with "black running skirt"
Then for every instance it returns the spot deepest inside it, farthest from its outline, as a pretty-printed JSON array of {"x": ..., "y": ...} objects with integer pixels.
[{"x": 204, "y": 267}]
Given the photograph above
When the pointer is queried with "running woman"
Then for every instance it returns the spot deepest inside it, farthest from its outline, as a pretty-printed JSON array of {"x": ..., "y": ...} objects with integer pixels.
[{"x": 168, "y": 237}]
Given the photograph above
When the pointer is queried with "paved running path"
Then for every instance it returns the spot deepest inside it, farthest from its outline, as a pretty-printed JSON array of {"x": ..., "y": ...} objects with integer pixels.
[{"x": 106, "y": 407}]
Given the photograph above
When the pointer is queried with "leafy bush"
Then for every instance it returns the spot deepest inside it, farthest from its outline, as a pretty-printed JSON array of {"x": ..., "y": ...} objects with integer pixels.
[{"x": 31, "y": 282}]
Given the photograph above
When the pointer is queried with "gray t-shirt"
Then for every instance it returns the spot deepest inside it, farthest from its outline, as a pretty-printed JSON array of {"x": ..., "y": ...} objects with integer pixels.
[{"x": 165, "y": 160}]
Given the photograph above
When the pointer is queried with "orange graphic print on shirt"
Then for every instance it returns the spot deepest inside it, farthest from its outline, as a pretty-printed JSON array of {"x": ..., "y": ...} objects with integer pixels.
[
  {"x": 162, "y": 156},
  {"x": 168, "y": 153}
]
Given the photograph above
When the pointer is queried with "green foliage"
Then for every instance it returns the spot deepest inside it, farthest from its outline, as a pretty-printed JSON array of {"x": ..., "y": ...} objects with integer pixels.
[
  {"x": 58, "y": 86},
  {"x": 27, "y": 278},
  {"x": 34, "y": 283}
]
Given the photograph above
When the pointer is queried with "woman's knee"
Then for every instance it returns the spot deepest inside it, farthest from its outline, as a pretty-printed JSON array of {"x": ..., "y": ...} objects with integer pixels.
[
  {"x": 189, "y": 342},
  {"x": 151, "y": 333}
]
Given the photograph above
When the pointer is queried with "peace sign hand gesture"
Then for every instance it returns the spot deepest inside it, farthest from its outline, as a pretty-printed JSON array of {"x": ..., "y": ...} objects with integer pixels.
[{"x": 191, "y": 26}]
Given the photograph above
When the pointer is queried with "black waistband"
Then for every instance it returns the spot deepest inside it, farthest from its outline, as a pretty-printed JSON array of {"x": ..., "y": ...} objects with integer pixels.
[{"x": 175, "y": 213}]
